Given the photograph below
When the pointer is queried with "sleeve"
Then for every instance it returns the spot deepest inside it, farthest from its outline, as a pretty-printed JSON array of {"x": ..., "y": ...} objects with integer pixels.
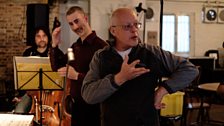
[
  {"x": 27, "y": 52},
  {"x": 57, "y": 58},
  {"x": 96, "y": 89},
  {"x": 179, "y": 70}
]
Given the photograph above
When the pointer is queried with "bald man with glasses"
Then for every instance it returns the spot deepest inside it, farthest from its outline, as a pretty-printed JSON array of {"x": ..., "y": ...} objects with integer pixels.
[{"x": 124, "y": 76}]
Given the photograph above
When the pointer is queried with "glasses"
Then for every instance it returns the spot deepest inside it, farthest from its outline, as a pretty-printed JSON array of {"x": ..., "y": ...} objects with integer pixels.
[{"x": 128, "y": 27}]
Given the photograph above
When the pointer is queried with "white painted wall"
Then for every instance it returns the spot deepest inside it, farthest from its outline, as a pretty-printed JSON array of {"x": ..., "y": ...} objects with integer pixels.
[{"x": 206, "y": 36}]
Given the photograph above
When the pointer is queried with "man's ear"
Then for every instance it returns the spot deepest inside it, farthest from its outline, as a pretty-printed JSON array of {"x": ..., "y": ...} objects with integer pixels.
[
  {"x": 112, "y": 31},
  {"x": 86, "y": 18}
]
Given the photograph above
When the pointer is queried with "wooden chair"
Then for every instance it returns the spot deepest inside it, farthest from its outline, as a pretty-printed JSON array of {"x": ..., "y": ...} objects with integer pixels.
[
  {"x": 215, "y": 54},
  {"x": 192, "y": 103}
]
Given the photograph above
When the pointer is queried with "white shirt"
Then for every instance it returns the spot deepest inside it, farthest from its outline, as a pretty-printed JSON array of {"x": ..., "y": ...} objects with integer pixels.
[{"x": 123, "y": 53}]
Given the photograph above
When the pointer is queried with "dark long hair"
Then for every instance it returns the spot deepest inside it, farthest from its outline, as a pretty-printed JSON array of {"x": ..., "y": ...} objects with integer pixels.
[{"x": 46, "y": 31}]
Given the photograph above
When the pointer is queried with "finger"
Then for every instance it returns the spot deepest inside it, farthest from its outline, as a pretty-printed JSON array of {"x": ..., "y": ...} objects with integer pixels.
[
  {"x": 133, "y": 64},
  {"x": 61, "y": 70},
  {"x": 157, "y": 106},
  {"x": 163, "y": 105},
  {"x": 70, "y": 69},
  {"x": 142, "y": 70},
  {"x": 126, "y": 59},
  {"x": 160, "y": 106},
  {"x": 58, "y": 29},
  {"x": 62, "y": 74}
]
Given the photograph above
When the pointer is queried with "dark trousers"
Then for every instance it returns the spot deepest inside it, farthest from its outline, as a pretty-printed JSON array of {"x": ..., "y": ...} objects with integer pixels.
[{"x": 84, "y": 114}]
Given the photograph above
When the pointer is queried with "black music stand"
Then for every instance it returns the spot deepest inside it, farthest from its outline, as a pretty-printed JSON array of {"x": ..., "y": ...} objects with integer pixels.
[{"x": 35, "y": 73}]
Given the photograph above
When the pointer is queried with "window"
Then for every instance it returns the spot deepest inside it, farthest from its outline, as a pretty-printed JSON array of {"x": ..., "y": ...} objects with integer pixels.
[{"x": 176, "y": 34}]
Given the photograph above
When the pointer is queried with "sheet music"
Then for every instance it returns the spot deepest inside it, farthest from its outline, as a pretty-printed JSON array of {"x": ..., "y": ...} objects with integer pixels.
[
  {"x": 16, "y": 120},
  {"x": 26, "y": 74}
]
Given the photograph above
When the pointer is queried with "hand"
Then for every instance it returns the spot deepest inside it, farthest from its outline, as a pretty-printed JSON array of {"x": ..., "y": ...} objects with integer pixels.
[
  {"x": 160, "y": 92},
  {"x": 56, "y": 36},
  {"x": 72, "y": 73},
  {"x": 16, "y": 100},
  {"x": 129, "y": 71}
]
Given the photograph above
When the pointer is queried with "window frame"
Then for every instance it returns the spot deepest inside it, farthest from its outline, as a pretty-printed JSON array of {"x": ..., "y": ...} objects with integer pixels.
[{"x": 191, "y": 51}]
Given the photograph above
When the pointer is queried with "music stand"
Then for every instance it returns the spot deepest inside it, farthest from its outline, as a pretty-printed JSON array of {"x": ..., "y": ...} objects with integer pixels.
[{"x": 35, "y": 73}]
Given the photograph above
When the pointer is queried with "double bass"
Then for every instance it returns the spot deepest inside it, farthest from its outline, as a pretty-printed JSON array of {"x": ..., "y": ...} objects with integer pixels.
[
  {"x": 50, "y": 107},
  {"x": 66, "y": 105},
  {"x": 56, "y": 107},
  {"x": 67, "y": 99}
]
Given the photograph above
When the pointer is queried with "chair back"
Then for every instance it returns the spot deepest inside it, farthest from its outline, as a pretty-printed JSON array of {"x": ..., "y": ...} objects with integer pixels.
[
  {"x": 192, "y": 93},
  {"x": 220, "y": 90},
  {"x": 215, "y": 55}
]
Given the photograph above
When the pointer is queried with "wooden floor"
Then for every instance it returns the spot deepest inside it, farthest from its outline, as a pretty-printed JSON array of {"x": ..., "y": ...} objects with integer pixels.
[{"x": 216, "y": 114}]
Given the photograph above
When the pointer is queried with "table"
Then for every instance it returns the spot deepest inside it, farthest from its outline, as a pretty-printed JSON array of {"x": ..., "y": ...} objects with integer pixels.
[{"x": 209, "y": 86}]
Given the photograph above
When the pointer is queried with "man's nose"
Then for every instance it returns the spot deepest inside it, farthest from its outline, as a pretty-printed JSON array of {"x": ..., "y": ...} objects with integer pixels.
[{"x": 42, "y": 38}]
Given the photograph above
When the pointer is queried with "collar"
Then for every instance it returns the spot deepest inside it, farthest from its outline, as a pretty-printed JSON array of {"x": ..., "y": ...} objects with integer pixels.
[
  {"x": 123, "y": 53},
  {"x": 89, "y": 39}
]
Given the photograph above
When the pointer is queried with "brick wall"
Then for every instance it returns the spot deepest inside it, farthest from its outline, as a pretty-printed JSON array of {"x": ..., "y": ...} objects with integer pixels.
[{"x": 13, "y": 31}]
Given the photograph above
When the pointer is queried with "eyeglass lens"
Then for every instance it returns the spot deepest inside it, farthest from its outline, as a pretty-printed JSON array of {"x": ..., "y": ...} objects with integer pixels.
[{"x": 130, "y": 26}]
